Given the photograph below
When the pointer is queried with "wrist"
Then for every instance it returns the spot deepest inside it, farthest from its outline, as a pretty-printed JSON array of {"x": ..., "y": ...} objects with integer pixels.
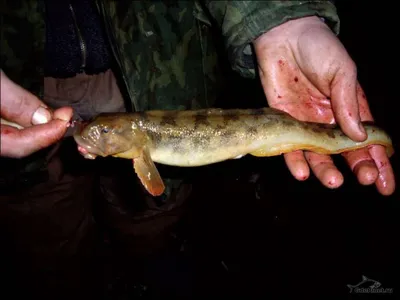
[{"x": 289, "y": 30}]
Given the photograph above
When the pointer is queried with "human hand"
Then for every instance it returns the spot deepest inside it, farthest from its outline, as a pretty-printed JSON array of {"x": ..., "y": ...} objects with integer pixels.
[
  {"x": 306, "y": 71},
  {"x": 40, "y": 126}
]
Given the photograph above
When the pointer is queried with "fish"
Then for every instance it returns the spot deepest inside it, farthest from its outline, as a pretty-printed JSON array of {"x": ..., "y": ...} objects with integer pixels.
[{"x": 192, "y": 138}]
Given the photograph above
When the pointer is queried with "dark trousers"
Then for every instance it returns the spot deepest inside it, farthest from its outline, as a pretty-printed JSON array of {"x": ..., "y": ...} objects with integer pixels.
[{"x": 51, "y": 232}]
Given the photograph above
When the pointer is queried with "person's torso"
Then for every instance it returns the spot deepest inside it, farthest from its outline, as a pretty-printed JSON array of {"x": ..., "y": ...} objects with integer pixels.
[{"x": 162, "y": 52}]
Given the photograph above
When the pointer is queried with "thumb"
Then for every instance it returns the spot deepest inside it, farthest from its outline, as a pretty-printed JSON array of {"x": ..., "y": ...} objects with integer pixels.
[
  {"x": 20, "y": 106},
  {"x": 345, "y": 104},
  {"x": 20, "y": 143}
]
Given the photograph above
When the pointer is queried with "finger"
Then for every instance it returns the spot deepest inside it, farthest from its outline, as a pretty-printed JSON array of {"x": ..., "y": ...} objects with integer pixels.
[
  {"x": 20, "y": 106},
  {"x": 362, "y": 164},
  {"x": 20, "y": 143},
  {"x": 345, "y": 103},
  {"x": 63, "y": 113},
  {"x": 324, "y": 169},
  {"x": 297, "y": 165},
  {"x": 363, "y": 107},
  {"x": 82, "y": 150},
  {"x": 386, "y": 182}
]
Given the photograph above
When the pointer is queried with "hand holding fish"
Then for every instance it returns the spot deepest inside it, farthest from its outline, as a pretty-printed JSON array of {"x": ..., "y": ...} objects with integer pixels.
[
  {"x": 27, "y": 125},
  {"x": 306, "y": 72},
  {"x": 307, "y": 82}
]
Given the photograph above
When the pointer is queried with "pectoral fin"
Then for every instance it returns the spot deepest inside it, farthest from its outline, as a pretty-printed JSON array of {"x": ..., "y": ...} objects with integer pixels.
[{"x": 148, "y": 173}]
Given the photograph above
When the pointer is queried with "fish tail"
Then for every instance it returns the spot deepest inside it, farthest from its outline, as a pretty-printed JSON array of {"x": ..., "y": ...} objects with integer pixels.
[{"x": 315, "y": 138}]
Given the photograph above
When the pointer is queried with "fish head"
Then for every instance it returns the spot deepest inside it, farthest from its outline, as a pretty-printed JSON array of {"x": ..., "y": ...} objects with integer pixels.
[{"x": 108, "y": 135}]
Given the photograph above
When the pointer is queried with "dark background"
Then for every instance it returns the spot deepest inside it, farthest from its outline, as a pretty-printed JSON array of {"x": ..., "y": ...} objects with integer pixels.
[{"x": 279, "y": 237}]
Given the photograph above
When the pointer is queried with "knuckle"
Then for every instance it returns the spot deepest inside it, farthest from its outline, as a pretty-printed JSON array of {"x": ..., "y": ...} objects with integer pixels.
[{"x": 351, "y": 67}]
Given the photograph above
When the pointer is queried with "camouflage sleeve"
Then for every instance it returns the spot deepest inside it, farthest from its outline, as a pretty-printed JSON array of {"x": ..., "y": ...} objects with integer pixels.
[{"x": 241, "y": 22}]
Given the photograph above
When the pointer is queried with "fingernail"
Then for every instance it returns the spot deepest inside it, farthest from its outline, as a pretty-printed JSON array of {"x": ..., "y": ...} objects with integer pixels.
[
  {"x": 41, "y": 116},
  {"x": 361, "y": 127},
  {"x": 63, "y": 118}
]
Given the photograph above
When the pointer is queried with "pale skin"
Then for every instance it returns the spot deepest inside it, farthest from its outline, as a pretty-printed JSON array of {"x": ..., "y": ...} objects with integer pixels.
[
  {"x": 42, "y": 126},
  {"x": 304, "y": 70}
]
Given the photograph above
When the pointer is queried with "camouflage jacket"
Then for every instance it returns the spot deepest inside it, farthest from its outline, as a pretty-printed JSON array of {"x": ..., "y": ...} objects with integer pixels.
[{"x": 166, "y": 55}]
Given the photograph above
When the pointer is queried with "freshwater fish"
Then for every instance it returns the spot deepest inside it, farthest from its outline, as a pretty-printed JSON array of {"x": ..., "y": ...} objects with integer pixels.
[{"x": 201, "y": 137}]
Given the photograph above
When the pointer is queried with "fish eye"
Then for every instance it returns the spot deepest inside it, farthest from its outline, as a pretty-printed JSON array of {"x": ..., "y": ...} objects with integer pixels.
[{"x": 105, "y": 130}]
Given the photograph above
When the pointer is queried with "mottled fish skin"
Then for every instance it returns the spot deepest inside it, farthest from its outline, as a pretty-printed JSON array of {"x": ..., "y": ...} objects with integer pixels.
[{"x": 202, "y": 137}]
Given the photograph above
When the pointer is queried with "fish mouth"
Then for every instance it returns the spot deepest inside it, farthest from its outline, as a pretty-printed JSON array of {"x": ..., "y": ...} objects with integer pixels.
[{"x": 85, "y": 147}]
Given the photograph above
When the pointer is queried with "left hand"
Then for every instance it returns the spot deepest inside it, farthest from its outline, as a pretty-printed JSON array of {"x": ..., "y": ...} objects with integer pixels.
[
  {"x": 38, "y": 126},
  {"x": 306, "y": 71}
]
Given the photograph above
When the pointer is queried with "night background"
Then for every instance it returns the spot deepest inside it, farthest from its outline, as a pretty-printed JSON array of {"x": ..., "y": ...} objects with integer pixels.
[
  {"x": 253, "y": 231},
  {"x": 282, "y": 238}
]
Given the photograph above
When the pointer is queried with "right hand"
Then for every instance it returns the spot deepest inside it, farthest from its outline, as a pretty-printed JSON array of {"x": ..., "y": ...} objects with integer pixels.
[
  {"x": 306, "y": 71},
  {"x": 41, "y": 126}
]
